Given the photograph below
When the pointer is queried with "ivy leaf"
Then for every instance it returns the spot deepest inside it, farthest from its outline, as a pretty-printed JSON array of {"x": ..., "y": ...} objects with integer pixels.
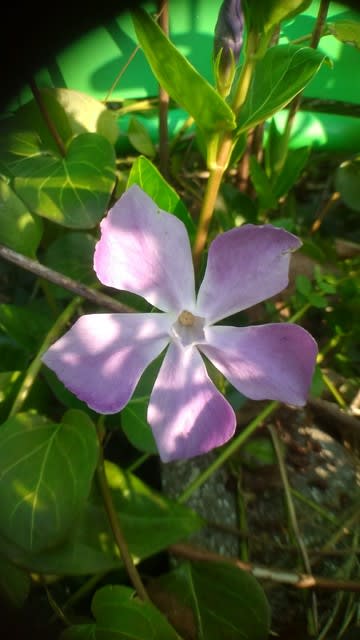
[
  {"x": 279, "y": 76},
  {"x": 227, "y": 603},
  {"x": 120, "y": 615},
  {"x": 19, "y": 229},
  {"x": 72, "y": 191},
  {"x": 150, "y": 523},
  {"x": 45, "y": 477},
  {"x": 179, "y": 78}
]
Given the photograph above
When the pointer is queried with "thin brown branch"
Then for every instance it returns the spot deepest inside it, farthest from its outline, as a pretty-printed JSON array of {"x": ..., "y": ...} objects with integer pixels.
[
  {"x": 292, "y": 578},
  {"x": 338, "y": 419},
  {"x": 116, "y": 527},
  {"x": 62, "y": 281}
]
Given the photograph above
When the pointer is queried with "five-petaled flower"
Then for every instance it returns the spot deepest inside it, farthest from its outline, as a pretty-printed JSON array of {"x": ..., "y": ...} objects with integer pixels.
[{"x": 146, "y": 251}]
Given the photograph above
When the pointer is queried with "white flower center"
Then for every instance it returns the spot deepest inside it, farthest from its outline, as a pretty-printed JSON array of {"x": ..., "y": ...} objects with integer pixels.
[{"x": 188, "y": 329}]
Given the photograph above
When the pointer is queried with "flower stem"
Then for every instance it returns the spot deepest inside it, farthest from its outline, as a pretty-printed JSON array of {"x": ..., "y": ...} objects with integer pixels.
[
  {"x": 219, "y": 163},
  {"x": 225, "y": 454},
  {"x": 163, "y": 10},
  {"x": 116, "y": 527},
  {"x": 34, "y": 368}
]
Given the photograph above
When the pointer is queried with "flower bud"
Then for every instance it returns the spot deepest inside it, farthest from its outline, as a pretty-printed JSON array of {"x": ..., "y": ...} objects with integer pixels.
[{"x": 228, "y": 41}]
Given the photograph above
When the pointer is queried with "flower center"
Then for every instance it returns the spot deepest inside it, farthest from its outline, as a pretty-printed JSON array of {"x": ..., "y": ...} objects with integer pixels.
[
  {"x": 188, "y": 329},
  {"x": 187, "y": 319}
]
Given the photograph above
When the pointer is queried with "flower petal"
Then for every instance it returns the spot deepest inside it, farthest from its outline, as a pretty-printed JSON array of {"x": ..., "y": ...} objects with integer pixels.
[
  {"x": 189, "y": 416},
  {"x": 272, "y": 361},
  {"x": 146, "y": 251},
  {"x": 244, "y": 267},
  {"x": 103, "y": 356}
]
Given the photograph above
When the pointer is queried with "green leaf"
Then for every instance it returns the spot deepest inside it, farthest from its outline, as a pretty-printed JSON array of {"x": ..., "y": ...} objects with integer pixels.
[
  {"x": 262, "y": 184},
  {"x": 150, "y": 524},
  {"x": 347, "y": 181},
  {"x": 140, "y": 138},
  {"x": 134, "y": 416},
  {"x": 263, "y": 15},
  {"x": 29, "y": 118},
  {"x": 14, "y": 583},
  {"x": 119, "y": 615},
  {"x": 146, "y": 175},
  {"x": 136, "y": 427},
  {"x": 26, "y": 325},
  {"x": 303, "y": 285},
  {"x": 179, "y": 78},
  {"x": 86, "y": 114},
  {"x": 72, "y": 254},
  {"x": 295, "y": 163},
  {"x": 46, "y": 471},
  {"x": 292, "y": 67},
  {"x": 19, "y": 229},
  {"x": 72, "y": 191},
  {"x": 227, "y": 602},
  {"x": 347, "y": 31}
]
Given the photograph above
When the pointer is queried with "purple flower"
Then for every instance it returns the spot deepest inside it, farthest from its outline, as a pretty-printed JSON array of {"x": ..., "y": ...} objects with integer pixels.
[{"x": 147, "y": 251}]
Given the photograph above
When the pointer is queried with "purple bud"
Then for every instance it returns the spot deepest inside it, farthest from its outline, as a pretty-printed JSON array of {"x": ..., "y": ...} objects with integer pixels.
[
  {"x": 228, "y": 41},
  {"x": 229, "y": 29}
]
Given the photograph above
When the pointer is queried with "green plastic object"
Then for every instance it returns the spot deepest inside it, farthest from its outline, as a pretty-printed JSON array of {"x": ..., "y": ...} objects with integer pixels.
[{"x": 105, "y": 64}]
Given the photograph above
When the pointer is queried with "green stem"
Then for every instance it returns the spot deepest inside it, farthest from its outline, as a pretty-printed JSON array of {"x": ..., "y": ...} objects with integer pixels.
[
  {"x": 34, "y": 368},
  {"x": 226, "y": 453},
  {"x": 163, "y": 10},
  {"x": 116, "y": 527},
  {"x": 219, "y": 164}
]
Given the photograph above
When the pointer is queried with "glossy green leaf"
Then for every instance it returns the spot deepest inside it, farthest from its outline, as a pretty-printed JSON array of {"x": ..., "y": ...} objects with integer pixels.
[
  {"x": 72, "y": 191},
  {"x": 227, "y": 602},
  {"x": 119, "y": 615},
  {"x": 73, "y": 255},
  {"x": 263, "y": 15},
  {"x": 148, "y": 177},
  {"x": 19, "y": 229},
  {"x": 182, "y": 82},
  {"x": 140, "y": 138},
  {"x": 347, "y": 181},
  {"x": 347, "y": 31},
  {"x": 150, "y": 524},
  {"x": 292, "y": 67},
  {"x": 45, "y": 474},
  {"x": 14, "y": 583}
]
